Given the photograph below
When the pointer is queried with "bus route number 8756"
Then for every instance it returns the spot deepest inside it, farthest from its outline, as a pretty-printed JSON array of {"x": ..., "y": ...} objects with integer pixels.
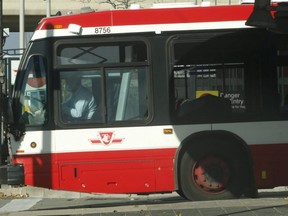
[{"x": 102, "y": 30}]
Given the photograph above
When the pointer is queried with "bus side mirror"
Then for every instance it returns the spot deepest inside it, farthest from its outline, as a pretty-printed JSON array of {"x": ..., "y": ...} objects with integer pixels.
[
  {"x": 7, "y": 110},
  {"x": 261, "y": 15},
  {"x": 281, "y": 18},
  {"x": 16, "y": 130}
]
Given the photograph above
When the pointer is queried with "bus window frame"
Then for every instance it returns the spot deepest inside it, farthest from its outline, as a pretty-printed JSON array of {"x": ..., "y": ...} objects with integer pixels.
[
  {"x": 57, "y": 68},
  {"x": 17, "y": 105}
]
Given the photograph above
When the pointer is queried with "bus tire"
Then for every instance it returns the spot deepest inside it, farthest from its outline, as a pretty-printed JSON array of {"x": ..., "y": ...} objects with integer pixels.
[{"x": 212, "y": 171}]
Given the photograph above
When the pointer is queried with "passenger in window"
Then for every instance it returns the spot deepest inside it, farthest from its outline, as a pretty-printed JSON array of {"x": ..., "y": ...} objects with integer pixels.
[{"x": 81, "y": 105}]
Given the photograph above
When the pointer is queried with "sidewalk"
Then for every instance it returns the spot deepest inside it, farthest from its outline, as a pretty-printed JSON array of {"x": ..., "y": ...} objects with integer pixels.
[{"x": 7, "y": 191}]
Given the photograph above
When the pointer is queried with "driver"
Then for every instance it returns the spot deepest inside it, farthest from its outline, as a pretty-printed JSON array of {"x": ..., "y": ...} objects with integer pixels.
[{"x": 81, "y": 105}]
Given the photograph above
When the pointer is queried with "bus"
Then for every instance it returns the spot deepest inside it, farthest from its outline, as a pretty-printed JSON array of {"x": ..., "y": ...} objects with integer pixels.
[{"x": 186, "y": 99}]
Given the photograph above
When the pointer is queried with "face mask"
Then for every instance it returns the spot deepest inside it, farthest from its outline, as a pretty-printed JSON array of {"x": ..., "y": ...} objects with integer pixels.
[{"x": 68, "y": 87}]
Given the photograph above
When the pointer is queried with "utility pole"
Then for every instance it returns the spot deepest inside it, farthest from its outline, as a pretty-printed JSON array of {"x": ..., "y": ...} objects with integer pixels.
[
  {"x": 1, "y": 26},
  {"x": 48, "y": 8},
  {"x": 22, "y": 24},
  {"x": 2, "y": 84}
]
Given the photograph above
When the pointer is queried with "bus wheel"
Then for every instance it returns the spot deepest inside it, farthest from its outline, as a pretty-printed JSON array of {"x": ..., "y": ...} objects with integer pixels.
[{"x": 211, "y": 175}]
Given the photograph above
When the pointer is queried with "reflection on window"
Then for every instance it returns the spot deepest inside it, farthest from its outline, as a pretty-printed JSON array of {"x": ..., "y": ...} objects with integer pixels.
[
  {"x": 126, "y": 94},
  {"x": 34, "y": 92},
  {"x": 221, "y": 80},
  {"x": 282, "y": 82}
]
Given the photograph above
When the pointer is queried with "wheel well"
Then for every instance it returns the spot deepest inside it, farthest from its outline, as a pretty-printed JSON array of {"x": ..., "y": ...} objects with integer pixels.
[{"x": 191, "y": 143}]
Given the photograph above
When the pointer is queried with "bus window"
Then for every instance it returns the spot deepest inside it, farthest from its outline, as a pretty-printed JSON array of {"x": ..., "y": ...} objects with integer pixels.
[
  {"x": 101, "y": 53},
  {"x": 208, "y": 80},
  {"x": 237, "y": 70},
  {"x": 33, "y": 94},
  {"x": 79, "y": 99},
  {"x": 282, "y": 80},
  {"x": 126, "y": 94}
]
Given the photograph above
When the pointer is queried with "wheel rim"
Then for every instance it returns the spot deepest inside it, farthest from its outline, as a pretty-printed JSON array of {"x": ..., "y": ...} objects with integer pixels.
[{"x": 211, "y": 174}]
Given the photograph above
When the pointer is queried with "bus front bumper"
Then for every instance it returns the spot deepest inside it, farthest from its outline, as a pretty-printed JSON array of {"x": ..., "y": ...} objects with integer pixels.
[{"x": 12, "y": 174}]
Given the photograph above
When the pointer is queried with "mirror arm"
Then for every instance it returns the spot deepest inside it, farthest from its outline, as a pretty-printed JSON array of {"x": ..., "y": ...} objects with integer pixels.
[{"x": 17, "y": 131}]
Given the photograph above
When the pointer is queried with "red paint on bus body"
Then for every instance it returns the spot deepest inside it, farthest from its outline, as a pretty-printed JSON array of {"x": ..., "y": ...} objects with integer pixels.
[
  {"x": 150, "y": 16},
  {"x": 134, "y": 171}
]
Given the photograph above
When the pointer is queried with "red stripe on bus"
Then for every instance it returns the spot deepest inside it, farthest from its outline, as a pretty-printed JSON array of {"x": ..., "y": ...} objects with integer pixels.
[{"x": 150, "y": 16}]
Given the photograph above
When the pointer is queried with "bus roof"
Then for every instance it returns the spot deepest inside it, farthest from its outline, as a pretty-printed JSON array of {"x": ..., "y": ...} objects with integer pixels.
[{"x": 145, "y": 20}]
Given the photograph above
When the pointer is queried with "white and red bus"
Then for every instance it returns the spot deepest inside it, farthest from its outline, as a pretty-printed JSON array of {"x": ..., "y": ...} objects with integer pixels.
[{"x": 188, "y": 99}]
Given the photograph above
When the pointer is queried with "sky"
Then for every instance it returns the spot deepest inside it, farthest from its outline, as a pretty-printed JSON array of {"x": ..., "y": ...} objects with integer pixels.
[{"x": 12, "y": 42}]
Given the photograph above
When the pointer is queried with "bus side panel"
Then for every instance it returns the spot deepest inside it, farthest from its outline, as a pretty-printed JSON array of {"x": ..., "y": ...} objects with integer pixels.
[
  {"x": 40, "y": 170},
  {"x": 270, "y": 165},
  {"x": 164, "y": 169},
  {"x": 130, "y": 171},
  {"x": 109, "y": 177}
]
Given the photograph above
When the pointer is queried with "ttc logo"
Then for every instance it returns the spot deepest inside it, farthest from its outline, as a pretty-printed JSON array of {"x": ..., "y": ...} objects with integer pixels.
[{"x": 106, "y": 138}]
